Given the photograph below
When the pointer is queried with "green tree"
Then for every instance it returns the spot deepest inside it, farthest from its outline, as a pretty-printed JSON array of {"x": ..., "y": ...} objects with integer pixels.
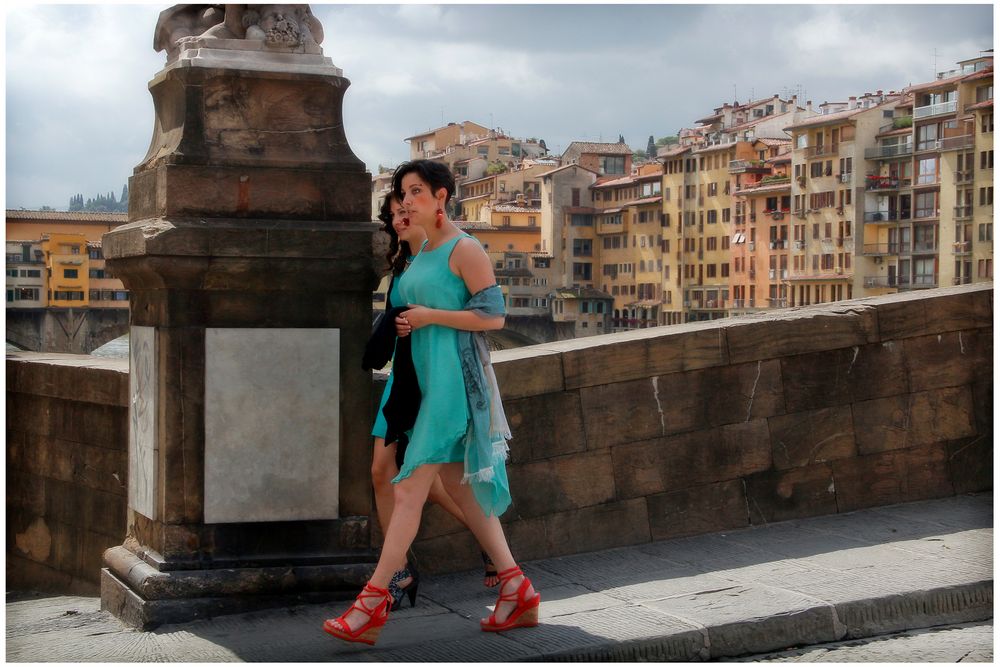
[
  {"x": 651, "y": 147},
  {"x": 666, "y": 141}
]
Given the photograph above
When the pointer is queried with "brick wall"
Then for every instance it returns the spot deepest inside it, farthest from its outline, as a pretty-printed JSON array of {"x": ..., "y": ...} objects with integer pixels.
[
  {"x": 67, "y": 464},
  {"x": 661, "y": 433},
  {"x": 618, "y": 439}
]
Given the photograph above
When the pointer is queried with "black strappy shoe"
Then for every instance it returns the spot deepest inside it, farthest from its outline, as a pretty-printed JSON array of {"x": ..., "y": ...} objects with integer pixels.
[
  {"x": 489, "y": 571},
  {"x": 410, "y": 591}
]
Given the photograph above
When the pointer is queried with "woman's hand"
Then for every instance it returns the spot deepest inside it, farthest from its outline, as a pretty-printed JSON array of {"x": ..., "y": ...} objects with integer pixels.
[{"x": 415, "y": 317}]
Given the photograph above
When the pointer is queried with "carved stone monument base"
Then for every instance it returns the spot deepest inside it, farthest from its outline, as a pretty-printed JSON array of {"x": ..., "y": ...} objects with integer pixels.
[{"x": 248, "y": 256}]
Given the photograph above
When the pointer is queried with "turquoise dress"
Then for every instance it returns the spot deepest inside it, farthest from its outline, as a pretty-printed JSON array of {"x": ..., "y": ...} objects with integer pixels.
[
  {"x": 378, "y": 430},
  {"x": 439, "y": 431}
]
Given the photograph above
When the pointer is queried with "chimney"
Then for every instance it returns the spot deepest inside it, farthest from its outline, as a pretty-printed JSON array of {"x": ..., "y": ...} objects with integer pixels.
[{"x": 852, "y": 102}]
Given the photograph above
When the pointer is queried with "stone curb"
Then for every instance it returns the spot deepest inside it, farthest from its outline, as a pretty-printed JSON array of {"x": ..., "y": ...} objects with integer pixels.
[{"x": 858, "y": 618}]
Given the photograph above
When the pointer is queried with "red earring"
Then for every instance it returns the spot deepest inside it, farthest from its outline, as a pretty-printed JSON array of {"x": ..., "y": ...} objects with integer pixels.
[{"x": 440, "y": 218}]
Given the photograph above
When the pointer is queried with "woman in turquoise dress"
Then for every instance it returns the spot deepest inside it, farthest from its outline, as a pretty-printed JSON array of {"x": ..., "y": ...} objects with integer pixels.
[
  {"x": 402, "y": 238},
  {"x": 451, "y": 291}
]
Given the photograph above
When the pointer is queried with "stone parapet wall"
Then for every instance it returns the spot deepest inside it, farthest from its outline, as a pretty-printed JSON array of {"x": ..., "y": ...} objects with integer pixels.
[
  {"x": 67, "y": 465},
  {"x": 618, "y": 439},
  {"x": 662, "y": 433}
]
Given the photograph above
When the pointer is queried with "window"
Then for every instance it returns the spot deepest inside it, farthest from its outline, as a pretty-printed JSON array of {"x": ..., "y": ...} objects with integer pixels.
[
  {"x": 582, "y": 248},
  {"x": 575, "y": 196},
  {"x": 531, "y": 221},
  {"x": 987, "y": 123},
  {"x": 986, "y": 231},
  {"x": 986, "y": 196},
  {"x": 986, "y": 160},
  {"x": 613, "y": 164},
  {"x": 506, "y": 221},
  {"x": 985, "y": 269},
  {"x": 927, "y": 136},
  {"x": 927, "y": 170},
  {"x": 926, "y": 205},
  {"x": 69, "y": 273},
  {"x": 581, "y": 271},
  {"x": 581, "y": 220}
]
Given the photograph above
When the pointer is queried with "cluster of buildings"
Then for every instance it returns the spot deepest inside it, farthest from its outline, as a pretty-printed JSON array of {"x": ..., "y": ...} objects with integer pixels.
[
  {"x": 767, "y": 204},
  {"x": 54, "y": 260}
]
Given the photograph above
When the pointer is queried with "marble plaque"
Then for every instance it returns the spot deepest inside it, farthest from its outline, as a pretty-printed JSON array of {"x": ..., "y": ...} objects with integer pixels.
[
  {"x": 142, "y": 443},
  {"x": 272, "y": 424}
]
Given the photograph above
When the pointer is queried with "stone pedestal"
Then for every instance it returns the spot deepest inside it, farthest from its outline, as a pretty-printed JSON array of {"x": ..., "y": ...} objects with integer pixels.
[{"x": 248, "y": 256}]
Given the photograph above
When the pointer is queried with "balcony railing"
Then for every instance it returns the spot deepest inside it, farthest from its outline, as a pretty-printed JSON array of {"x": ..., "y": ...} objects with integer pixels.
[
  {"x": 924, "y": 247},
  {"x": 957, "y": 143},
  {"x": 961, "y": 280},
  {"x": 924, "y": 280},
  {"x": 962, "y": 248},
  {"x": 873, "y": 182},
  {"x": 819, "y": 151},
  {"x": 879, "y": 249},
  {"x": 964, "y": 176},
  {"x": 962, "y": 212},
  {"x": 881, "y": 281},
  {"x": 777, "y": 303},
  {"x": 886, "y": 216},
  {"x": 748, "y": 167},
  {"x": 891, "y": 151},
  {"x": 935, "y": 109}
]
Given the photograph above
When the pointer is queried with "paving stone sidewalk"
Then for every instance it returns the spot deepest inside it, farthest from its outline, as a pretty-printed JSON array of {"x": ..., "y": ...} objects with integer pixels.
[{"x": 715, "y": 596}]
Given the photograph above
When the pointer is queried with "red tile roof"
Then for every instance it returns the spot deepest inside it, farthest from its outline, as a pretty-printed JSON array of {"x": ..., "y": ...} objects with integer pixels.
[
  {"x": 985, "y": 104},
  {"x": 67, "y": 216},
  {"x": 600, "y": 149}
]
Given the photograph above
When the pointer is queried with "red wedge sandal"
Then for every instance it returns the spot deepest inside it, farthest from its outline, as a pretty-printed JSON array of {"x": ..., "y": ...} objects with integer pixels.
[
  {"x": 524, "y": 615},
  {"x": 377, "y": 616}
]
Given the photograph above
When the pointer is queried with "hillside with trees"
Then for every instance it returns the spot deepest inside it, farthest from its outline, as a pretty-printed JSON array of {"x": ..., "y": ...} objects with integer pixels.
[{"x": 101, "y": 203}]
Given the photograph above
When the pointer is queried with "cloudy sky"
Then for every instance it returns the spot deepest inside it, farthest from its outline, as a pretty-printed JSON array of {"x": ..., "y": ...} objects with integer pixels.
[{"x": 79, "y": 116}]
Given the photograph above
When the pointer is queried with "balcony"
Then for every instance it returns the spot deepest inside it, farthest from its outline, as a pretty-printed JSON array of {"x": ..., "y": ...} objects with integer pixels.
[
  {"x": 957, "y": 143},
  {"x": 871, "y": 282},
  {"x": 888, "y": 152},
  {"x": 924, "y": 281},
  {"x": 925, "y": 247},
  {"x": 748, "y": 167},
  {"x": 886, "y": 216},
  {"x": 874, "y": 183},
  {"x": 846, "y": 177},
  {"x": 820, "y": 151},
  {"x": 962, "y": 177},
  {"x": 962, "y": 248},
  {"x": 881, "y": 249},
  {"x": 961, "y": 280},
  {"x": 963, "y": 212},
  {"x": 777, "y": 303},
  {"x": 935, "y": 109}
]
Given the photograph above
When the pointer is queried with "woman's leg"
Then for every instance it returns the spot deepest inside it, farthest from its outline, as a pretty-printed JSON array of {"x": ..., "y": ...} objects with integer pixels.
[
  {"x": 487, "y": 530},
  {"x": 383, "y": 470},
  {"x": 409, "y": 496},
  {"x": 439, "y": 496}
]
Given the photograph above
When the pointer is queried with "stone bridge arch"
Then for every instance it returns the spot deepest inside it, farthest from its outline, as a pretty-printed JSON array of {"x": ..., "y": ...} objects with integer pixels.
[{"x": 72, "y": 330}]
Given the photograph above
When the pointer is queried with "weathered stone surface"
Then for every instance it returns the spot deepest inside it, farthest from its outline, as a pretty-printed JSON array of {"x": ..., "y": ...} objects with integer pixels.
[
  {"x": 911, "y": 420},
  {"x": 970, "y": 463},
  {"x": 70, "y": 376},
  {"x": 528, "y": 371},
  {"x": 816, "y": 436},
  {"x": 892, "y": 477},
  {"x": 600, "y": 527},
  {"x": 809, "y": 329},
  {"x": 791, "y": 494},
  {"x": 924, "y": 313},
  {"x": 947, "y": 359},
  {"x": 561, "y": 484},
  {"x": 621, "y": 412},
  {"x": 691, "y": 459},
  {"x": 697, "y": 510},
  {"x": 838, "y": 377},
  {"x": 545, "y": 426},
  {"x": 643, "y": 353}
]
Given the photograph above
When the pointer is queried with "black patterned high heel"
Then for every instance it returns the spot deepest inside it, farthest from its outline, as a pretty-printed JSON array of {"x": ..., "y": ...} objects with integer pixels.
[
  {"x": 410, "y": 591},
  {"x": 489, "y": 571}
]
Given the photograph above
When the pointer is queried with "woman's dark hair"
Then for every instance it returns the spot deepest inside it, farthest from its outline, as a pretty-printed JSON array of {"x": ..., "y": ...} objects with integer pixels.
[
  {"x": 398, "y": 250},
  {"x": 432, "y": 173}
]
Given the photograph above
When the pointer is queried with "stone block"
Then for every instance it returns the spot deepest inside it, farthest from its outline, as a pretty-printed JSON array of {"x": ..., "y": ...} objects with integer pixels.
[
  {"x": 970, "y": 462},
  {"x": 616, "y": 524},
  {"x": 25, "y": 491},
  {"x": 947, "y": 359},
  {"x": 944, "y": 310},
  {"x": 642, "y": 354},
  {"x": 926, "y": 417},
  {"x": 697, "y": 510},
  {"x": 691, "y": 459},
  {"x": 888, "y": 478},
  {"x": 839, "y": 377},
  {"x": 528, "y": 371},
  {"x": 562, "y": 484},
  {"x": 791, "y": 494},
  {"x": 815, "y": 436},
  {"x": 545, "y": 426},
  {"x": 622, "y": 412},
  {"x": 810, "y": 329}
]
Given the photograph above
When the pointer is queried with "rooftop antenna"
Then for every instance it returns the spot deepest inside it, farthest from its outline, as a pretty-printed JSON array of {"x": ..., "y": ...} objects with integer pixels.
[
  {"x": 734, "y": 94},
  {"x": 936, "y": 54}
]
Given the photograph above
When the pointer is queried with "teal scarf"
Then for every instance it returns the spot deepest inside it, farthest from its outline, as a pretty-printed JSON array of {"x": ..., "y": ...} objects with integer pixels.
[{"x": 487, "y": 434}]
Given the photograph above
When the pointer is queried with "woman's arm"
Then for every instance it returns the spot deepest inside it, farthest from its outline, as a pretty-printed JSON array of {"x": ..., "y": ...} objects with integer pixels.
[{"x": 473, "y": 266}]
